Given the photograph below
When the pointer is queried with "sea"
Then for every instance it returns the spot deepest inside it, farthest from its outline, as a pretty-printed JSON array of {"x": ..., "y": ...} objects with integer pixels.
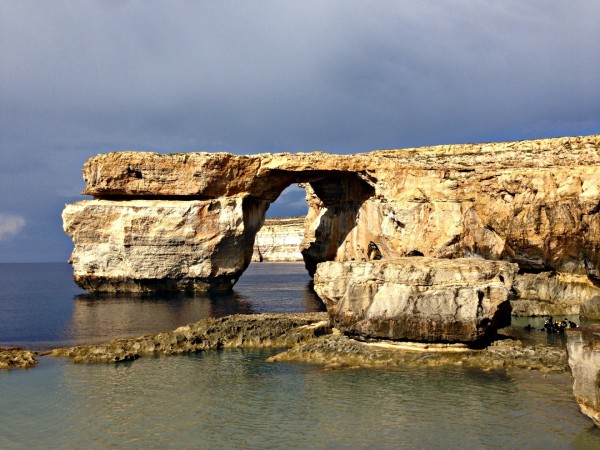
[{"x": 234, "y": 399}]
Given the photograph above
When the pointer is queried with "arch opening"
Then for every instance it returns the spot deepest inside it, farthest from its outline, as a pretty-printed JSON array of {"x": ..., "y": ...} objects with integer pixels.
[
  {"x": 282, "y": 232},
  {"x": 334, "y": 200}
]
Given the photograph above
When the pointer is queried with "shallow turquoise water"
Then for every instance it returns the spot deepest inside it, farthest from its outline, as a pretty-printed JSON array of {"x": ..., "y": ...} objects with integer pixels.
[{"x": 233, "y": 399}]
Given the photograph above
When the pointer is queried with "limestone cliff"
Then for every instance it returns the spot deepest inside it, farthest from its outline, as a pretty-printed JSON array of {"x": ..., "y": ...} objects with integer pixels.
[
  {"x": 279, "y": 239},
  {"x": 583, "y": 347},
  {"x": 533, "y": 203}
]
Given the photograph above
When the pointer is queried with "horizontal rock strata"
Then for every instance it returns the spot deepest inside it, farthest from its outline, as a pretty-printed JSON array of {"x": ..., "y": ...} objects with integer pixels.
[
  {"x": 535, "y": 203},
  {"x": 417, "y": 298},
  {"x": 149, "y": 245},
  {"x": 555, "y": 294},
  {"x": 279, "y": 239},
  {"x": 583, "y": 347}
]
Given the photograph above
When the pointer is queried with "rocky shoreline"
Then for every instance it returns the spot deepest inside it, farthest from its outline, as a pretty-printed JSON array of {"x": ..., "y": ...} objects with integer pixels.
[
  {"x": 303, "y": 337},
  {"x": 237, "y": 331},
  {"x": 339, "y": 351},
  {"x": 17, "y": 358}
]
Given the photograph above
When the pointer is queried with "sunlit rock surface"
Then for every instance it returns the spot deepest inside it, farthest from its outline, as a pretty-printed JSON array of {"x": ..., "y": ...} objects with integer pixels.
[
  {"x": 533, "y": 203},
  {"x": 583, "y": 347},
  {"x": 148, "y": 245},
  {"x": 417, "y": 298},
  {"x": 279, "y": 239},
  {"x": 556, "y": 294},
  {"x": 16, "y": 358}
]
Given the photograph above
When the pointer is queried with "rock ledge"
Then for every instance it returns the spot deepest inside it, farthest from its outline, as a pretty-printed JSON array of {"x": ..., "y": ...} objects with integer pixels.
[{"x": 17, "y": 358}]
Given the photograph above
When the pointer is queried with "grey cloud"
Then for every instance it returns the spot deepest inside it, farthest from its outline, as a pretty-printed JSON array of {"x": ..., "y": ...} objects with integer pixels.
[
  {"x": 10, "y": 225},
  {"x": 80, "y": 78}
]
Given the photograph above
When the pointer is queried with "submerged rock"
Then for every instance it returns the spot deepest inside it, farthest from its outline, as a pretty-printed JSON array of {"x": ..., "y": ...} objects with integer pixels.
[
  {"x": 308, "y": 337},
  {"x": 424, "y": 299},
  {"x": 583, "y": 346}
]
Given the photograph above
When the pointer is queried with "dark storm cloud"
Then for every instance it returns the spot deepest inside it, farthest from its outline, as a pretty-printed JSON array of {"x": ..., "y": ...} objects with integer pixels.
[{"x": 79, "y": 78}]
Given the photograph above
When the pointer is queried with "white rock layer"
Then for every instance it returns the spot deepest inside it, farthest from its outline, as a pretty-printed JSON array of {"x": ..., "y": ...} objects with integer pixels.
[{"x": 417, "y": 298}]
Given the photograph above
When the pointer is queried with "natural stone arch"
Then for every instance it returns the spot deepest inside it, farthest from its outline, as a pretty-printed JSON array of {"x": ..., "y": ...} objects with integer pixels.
[
  {"x": 196, "y": 232},
  {"x": 187, "y": 221},
  {"x": 334, "y": 199}
]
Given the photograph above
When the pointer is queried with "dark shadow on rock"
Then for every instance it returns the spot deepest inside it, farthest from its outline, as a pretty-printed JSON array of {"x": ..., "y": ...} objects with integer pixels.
[{"x": 342, "y": 195}]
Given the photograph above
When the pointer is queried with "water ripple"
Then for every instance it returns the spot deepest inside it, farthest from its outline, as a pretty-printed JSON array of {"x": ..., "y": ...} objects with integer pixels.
[{"x": 232, "y": 399}]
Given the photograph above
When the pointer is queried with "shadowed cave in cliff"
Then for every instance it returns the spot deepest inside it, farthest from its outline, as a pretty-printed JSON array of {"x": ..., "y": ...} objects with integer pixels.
[{"x": 333, "y": 198}]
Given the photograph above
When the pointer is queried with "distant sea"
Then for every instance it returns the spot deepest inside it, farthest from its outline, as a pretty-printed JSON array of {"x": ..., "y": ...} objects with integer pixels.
[{"x": 233, "y": 398}]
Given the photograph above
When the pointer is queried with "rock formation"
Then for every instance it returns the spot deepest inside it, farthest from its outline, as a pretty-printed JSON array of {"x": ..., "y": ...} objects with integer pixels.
[
  {"x": 279, "y": 239},
  {"x": 583, "y": 348},
  {"x": 308, "y": 337},
  {"x": 555, "y": 294},
  {"x": 17, "y": 358},
  {"x": 238, "y": 331},
  {"x": 418, "y": 298},
  {"x": 533, "y": 203},
  {"x": 339, "y": 351},
  {"x": 144, "y": 245}
]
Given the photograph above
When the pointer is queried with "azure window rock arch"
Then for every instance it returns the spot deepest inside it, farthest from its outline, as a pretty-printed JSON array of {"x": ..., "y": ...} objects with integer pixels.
[{"x": 188, "y": 221}]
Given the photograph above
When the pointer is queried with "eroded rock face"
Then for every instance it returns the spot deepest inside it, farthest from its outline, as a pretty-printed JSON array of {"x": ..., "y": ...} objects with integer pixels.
[
  {"x": 418, "y": 298},
  {"x": 583, "y": 347},
  {"x": 556, "y": 294},
  {"x": 148, "y": 245},
  {"x": 279, "y": 240},
  {"x": 534, "y": 203}
]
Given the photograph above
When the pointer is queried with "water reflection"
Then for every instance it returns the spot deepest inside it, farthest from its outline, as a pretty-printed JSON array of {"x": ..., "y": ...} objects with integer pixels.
[
  {"x": 538, "y": 335},
  {"x": 98, "y": 317},
  {"x": 264, "y": 288}
]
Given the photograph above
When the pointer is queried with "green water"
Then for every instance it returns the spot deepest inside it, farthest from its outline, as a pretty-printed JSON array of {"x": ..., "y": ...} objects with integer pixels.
[{"x": 233, "y": 399}]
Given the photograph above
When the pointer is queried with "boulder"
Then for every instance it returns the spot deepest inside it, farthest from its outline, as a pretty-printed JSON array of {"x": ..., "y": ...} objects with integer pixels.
[
  {"x": 17, "y": 358},
  {"x": 583, "y": 347},
  {"x": 418, "y": 298}
]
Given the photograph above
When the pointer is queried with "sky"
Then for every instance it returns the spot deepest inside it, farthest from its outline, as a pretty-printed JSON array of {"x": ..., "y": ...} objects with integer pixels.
[{"x": 78, "y": 78}]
